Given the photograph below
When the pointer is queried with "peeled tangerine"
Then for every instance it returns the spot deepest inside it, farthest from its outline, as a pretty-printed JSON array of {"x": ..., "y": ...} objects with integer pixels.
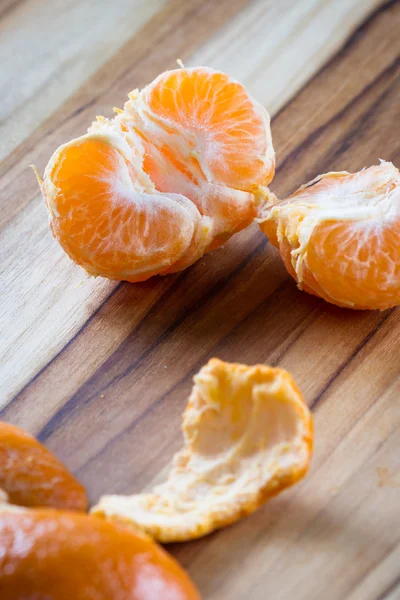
[
  {"x": 52, "y": 554},
  {"x": 172, "y": 176},
  {"x": 248, "y": 435},
  {"x": 339, "y": 236}
]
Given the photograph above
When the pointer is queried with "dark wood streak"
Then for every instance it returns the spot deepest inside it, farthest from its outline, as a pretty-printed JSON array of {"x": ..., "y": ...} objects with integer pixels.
[
  {"x": 15, "y": 400},
  {"x": 80, "y": 401},
  {"x": 308, "y": 320},
  {"x": 349, "y": 137},
  {"x": 371, "y": 112},
  {"x": 184, "y": 379},
  {"x": 9, "y": 7},
  {"x": 361, "y": 31},
  {"x": 349, "y": 359},
  {"x": 390, "y": 589}
]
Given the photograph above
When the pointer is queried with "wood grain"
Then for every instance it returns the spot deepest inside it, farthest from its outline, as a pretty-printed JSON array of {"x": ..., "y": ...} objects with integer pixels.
[
  {"x": 55, "y": 47},
  {"x": 101, "y": 370},
  {"x": 181, "y": 28}
]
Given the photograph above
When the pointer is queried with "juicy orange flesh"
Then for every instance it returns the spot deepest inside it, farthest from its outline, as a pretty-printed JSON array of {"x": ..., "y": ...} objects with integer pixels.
[
  {"x": 339, "y": 236},
  {"x": 103, "y": 223},
  {"x": 225, "y": 126},
  {"x": 194, "y": 133},
  {"x": 230, "y": 209},
  {"x": 368, "y": 263}
]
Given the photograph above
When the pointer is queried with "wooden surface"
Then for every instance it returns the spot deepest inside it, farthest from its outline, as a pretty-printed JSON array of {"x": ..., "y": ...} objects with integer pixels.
[{"x": 100, "y": 371}]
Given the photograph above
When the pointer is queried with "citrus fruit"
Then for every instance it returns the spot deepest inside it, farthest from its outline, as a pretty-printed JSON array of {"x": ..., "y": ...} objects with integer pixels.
[
  {"x": 175, "y": 174},
  {"x": 248, "y": 435},
  {"x": 339, "y": 236},
  {"x": 30, "y": 475},
  {"x": 59, "y": 555}
]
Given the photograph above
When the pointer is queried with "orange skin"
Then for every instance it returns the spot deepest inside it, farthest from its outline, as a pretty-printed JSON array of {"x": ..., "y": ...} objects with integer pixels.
[
  {"x": 32, "y": 476},
  {"x": 53, "y": 555}
]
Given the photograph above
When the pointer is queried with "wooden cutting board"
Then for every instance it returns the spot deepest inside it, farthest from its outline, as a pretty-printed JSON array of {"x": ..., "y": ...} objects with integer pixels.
[{"x": 101, "y": 371}]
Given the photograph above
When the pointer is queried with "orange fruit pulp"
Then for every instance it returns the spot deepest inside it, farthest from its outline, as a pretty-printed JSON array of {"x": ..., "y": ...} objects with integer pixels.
[
  {"x": 175, "y": 174},
  {"x": 339, "y": 236}
]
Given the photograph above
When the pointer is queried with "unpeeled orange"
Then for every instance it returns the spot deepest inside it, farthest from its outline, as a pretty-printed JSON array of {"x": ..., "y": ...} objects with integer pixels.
[
  {"x": 58, "y": 555},
  {"x": 339, "y": 236},
  {"x": 52, "y": 554},
  {"x": 30, "y": 475},
  {"x": 172, "y": 176},
  {"x": 248, "y": 435}
]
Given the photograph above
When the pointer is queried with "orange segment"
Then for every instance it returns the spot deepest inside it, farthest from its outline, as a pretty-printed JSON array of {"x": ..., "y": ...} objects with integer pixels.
[
  {"x": 339, "y": 236},
  {"x": 229, "y": 209},
  {"x": 205, "y": 137},
  {"x": 225, "y": 130},
  {"x": 55, "y": 555},
  {"x": 248, "y": 435},
  {"x": 31, "y": 475},
  {"x": 104, "y": 219},
  {"x": 370, "y": 269}
]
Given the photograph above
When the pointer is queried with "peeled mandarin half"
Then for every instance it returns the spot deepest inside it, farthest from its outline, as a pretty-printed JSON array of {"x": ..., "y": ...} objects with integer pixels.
[
  {"x": 339, "y": 236},
  {"x": 30, "y": 475},
  {"x": 248, "y": 435},
  {"x": 182, "y": 168},
  {"x": 58, "y": 555}
]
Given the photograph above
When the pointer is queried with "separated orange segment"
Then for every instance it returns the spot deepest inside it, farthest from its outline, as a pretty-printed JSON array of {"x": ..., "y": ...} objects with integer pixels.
[
  {"x": 248, "y": 435},
  {"x": 339, "y": 236},
  {"x": 104, "y": 219},
  {"x": 370, "y": 267},
  {"x": 31, "y": 475},
  {"x": 176, "y": 173},
  {"x": 225, "y": 130},
  {"x": 55, "y": 555}
]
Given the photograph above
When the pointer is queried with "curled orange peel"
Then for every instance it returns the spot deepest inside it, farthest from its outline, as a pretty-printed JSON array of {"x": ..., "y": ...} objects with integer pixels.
[{"x": 248, "y": 435}]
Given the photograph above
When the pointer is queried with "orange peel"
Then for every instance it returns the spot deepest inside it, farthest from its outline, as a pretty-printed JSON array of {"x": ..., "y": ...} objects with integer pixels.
[
  {"x": 248, "y": 435},
  {"x": 30, "y": 475},
  {"x": 60, "y": 555}
]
